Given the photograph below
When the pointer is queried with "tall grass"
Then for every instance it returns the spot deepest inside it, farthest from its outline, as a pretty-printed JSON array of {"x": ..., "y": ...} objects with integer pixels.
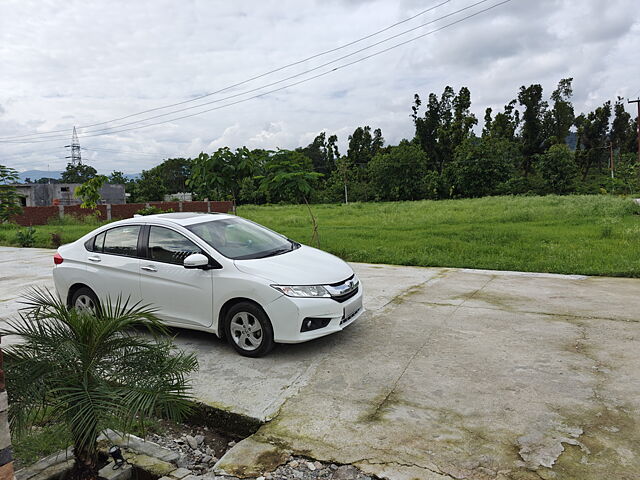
[{"x": 594, "y": 235}]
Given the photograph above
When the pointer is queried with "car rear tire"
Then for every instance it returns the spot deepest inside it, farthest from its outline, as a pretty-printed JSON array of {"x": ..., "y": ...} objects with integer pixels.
[
  {"x": 249, "y": 330},
  {"x": 85, "y": 299}
]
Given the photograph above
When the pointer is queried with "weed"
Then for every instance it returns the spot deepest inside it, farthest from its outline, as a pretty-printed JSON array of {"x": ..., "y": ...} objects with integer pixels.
[{"x": 27, "y": 237}]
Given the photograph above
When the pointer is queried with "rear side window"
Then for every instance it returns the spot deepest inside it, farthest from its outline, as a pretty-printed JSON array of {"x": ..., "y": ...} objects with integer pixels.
[
  {"x": 168, "y": 246},
  {"x": 119, "y": 241},
  {"x": 99, "y": 242}
]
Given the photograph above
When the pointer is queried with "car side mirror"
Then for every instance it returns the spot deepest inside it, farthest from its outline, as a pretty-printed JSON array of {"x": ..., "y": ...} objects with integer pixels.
[{"x": 196, "y": 260}]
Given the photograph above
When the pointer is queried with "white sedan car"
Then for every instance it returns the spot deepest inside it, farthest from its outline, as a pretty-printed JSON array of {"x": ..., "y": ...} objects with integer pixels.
[{"x": 213, "y": 272}]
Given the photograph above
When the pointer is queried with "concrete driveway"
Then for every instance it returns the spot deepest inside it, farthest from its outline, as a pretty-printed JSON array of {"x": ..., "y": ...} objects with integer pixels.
[{"x": 452, "y": 374}]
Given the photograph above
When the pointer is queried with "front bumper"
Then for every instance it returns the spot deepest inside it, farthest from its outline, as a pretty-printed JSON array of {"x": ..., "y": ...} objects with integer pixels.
[{"x": 288, "y": 313}]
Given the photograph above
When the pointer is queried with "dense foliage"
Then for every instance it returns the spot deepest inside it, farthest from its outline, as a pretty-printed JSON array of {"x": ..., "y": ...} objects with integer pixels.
[{"x": 534, "y": 145}]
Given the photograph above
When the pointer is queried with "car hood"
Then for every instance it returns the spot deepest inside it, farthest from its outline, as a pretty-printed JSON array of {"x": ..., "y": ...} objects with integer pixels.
[{"x": 303, "y": 266}]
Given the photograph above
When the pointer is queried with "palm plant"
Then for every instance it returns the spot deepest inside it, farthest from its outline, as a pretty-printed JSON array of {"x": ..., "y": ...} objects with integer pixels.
[{"x": 92, "y": 370}]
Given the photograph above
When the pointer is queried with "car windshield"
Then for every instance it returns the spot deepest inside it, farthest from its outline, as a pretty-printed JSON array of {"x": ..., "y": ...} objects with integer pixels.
[{"x": 241, "y": 239}]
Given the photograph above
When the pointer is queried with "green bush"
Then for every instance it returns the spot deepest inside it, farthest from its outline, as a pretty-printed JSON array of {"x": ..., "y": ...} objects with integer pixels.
[
  {"x": 153, "y": 210},
  {"x": 27, "y": 237}
]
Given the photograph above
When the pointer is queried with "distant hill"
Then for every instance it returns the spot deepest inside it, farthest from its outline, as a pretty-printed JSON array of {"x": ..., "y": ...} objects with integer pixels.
[
  {"x": 37, "y": 174},
  {"x": 34, "y": 175}
]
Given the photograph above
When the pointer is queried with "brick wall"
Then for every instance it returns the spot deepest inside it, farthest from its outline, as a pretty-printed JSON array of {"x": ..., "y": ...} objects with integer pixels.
[
  {"x": 6, "y": 459},
  {"x": 41, "y": 215}
]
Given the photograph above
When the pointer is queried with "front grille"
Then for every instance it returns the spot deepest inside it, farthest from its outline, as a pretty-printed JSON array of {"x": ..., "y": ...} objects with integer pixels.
[
  {"x": 346, "y": 296},
  {"x": 343, "y": 291}
]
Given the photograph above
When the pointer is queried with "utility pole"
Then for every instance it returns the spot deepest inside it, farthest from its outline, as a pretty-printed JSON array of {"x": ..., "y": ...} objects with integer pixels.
[
  {"x": 637, "y": 102},
  {"x": 611, "y": 164}
]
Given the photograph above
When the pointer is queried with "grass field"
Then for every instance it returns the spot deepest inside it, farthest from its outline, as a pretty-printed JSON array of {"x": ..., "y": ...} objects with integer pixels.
[{"x": 594, "y": 235}]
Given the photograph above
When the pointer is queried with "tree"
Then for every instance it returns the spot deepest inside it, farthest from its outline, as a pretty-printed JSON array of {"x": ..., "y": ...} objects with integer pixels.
[
  {"x": 558, "y": 168},
  {"x": 398, "y": 174},
  {"x": 92, "y": 371},
  {"x": 532, "y": 133},
  {"x": 89, "y": 192},
  {"x": 323, "y": 153},
  {"x": 78, "y": 173},
  {"x": 222, "y": 172},
  {"x": 9, "y": 199},
  {"x": 559, "y": 120},
  {"x": 117, "y": 178},
  {"x": 288, "y": 175},
  {"x": 505, "y": 124},
  {"x": 446, "y": 123},
  {"x": 173, "y": 173},
  {"x": 48, "y": 180},
  {"x": 363, "y": 146},
  {"x": 623, "y": 129},
  {"x": 593, "y": 138},
  {"x": 480, "y": 165},
  {"x": 150, "y": 187}
]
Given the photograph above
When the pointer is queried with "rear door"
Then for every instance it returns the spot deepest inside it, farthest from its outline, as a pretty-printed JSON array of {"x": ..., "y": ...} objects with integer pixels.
[
  {"x": 183, "y": 296},
  {"x": 113, "y": 265}
]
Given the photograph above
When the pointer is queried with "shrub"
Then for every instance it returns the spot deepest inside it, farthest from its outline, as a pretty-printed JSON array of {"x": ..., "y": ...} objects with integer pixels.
[
  {"x": 558, "y": 168},
  {"x": 26, "y": 238},
  {"x": 153, "y": 210},
  {"x": 56, "y": 239}
]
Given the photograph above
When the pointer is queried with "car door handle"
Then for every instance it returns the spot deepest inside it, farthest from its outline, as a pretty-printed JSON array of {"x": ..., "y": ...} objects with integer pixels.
[
  {"x": 95, "y": 258},
  {"x": 149, "y": 268}
]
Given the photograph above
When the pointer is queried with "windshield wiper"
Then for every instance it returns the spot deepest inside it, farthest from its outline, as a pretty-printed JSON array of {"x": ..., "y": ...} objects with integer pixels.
[{"x": 277, "y": 251}]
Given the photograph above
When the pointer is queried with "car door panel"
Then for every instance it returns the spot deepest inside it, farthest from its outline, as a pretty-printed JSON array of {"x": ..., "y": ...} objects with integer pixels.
[{"x": 182, "y": 296}]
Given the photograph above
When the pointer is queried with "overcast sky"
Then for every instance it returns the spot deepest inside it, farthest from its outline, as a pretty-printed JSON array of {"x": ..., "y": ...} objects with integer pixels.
[{"x": 65, "y": 63}]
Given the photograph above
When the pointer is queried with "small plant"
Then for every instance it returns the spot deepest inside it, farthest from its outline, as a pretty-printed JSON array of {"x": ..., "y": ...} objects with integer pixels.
[
  {"x": 153, "y": 210},
  {"x": 56, "y": 239},
  {"x": 26, "y": 238},
  {"x": 90, "y": 371}
]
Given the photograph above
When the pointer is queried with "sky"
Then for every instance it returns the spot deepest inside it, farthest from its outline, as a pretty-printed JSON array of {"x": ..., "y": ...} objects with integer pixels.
[{"x": 66, "y": 63}]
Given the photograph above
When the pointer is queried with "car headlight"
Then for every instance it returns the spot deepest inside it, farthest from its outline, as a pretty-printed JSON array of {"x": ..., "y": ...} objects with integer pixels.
[{"x": 309, "y": 291}]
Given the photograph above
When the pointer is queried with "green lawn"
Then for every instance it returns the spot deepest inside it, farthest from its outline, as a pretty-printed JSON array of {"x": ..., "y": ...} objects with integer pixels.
[{"x": 595, "y": 235}]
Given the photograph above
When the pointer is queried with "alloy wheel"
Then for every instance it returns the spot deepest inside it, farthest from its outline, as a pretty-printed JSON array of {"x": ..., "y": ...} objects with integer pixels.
[{"x": 246, "y": 331}]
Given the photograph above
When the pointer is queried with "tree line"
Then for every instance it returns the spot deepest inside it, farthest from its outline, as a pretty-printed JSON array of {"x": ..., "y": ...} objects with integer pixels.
[{"x": 533, "y": 145}]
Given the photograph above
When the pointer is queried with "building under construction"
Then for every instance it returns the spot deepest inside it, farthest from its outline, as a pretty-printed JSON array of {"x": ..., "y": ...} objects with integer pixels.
[{"x": 45, "y": 194}]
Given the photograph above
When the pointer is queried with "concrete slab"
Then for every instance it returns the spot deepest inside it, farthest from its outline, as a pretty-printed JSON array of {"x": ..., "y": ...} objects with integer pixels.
[{"x": 452, "y": 374}]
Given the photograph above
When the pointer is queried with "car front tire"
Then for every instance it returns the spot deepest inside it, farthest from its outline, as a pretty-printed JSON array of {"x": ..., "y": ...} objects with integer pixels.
[{"x": 249, "y": 330}]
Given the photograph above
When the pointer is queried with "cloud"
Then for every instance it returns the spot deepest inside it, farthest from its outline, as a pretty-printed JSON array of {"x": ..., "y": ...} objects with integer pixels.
[{"x": 81, "y": 63}]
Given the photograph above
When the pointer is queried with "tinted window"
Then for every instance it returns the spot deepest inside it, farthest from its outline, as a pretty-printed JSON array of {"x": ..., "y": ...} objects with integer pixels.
[
  {"x": 168, "y": 246},
  {"x": 120, "y": 241}
]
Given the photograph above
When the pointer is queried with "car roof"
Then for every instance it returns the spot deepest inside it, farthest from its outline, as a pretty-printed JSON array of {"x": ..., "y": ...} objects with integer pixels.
[
  {"x": 188, "y": 218},
  {"x": 176, "y": 218}
]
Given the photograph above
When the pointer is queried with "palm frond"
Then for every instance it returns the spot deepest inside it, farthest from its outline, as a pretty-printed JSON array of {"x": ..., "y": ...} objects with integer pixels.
[{"x": 93, "y": 369}]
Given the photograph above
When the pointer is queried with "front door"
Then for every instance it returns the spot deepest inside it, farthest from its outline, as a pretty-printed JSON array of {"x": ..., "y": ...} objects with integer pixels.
[{"x": 182, "y": 296}]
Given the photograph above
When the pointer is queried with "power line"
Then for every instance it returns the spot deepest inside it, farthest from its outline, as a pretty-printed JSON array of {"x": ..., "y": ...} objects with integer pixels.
[
  {"x": 108, "y": 150},
  {"x": 294, "y": 83},
  {"x": 107, "y": 129},
  {"x": 298, "y": 62}
]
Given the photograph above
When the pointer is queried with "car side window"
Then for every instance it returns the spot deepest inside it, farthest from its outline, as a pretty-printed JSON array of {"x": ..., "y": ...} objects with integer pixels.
[
  {"x": 120, "y": 241},
  {"x": 98, "y": 242},
  {"x": 168, "y": 246}
]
